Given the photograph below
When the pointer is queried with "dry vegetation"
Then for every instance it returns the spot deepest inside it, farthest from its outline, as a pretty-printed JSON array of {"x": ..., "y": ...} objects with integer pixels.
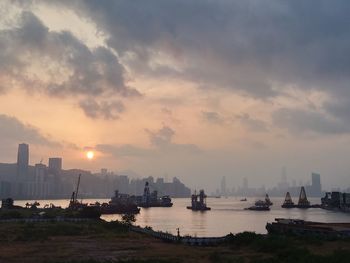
[{"x": 112, "y": 242}]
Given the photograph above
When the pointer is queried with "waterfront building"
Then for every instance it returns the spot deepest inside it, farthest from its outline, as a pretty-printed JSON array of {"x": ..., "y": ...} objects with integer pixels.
[
  {"x": 23, "y": 181},
  {"x": 22, "y": 160},
  {"x": 55, "y": 165}
]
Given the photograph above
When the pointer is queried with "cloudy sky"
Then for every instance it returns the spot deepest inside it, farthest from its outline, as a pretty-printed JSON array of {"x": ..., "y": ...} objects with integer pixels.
[{"x": 196, "y": 89}]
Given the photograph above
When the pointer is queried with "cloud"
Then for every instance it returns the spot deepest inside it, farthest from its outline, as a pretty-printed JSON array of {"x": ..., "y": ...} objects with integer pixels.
[
  {"x": 122, "y": 150},
  {"x": 252, "y": 124},
  {"x": 14, "y": 131},
  {"x": 248, "y": 46},
  {"x": 339, "y": 108},
  {"x": 162, "y": 139},
  {"x": 301, "y": 122},
  {"x": 212, "y": 117},
  {"x": 104, "y": 109},
  {"x": 161, "y": 143},
  {"x": 60, "y": 65}
]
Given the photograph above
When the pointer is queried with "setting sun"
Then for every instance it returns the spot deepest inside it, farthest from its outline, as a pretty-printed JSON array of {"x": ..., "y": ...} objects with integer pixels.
[{"x": 90, "y": 155}]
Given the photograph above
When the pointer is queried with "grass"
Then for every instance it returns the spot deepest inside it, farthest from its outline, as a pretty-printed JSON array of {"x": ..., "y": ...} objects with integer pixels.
[
  {"x": 103, "y": 242},
  {"x": 43, "y": 231}
]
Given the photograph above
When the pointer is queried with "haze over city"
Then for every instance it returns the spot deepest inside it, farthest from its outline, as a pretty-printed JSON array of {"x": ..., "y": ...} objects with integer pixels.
[{"x": 196, "y": 90}]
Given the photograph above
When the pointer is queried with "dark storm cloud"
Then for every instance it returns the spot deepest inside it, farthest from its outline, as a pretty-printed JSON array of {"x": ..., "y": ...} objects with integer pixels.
[
  {"x": 244, "y": 45},
  {"x": 80, "y": 70},
  {"x": 252, "y": 47},
  {"x": 13, "y": 131},
  {"x": 104, "y": 109},
  {"x": 301, "y": 122},
  {"x": 339, "y": 108}
]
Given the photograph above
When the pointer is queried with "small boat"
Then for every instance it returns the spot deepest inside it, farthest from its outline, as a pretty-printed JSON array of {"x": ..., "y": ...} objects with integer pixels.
[
  {"x": 260, "y": 207},
  {"x": 243, "y": 199}
]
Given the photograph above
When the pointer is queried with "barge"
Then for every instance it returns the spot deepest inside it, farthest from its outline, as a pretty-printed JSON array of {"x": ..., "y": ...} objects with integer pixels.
[
  {"x": 301, "y": 227},
  {"x": 198, "y": 202}
]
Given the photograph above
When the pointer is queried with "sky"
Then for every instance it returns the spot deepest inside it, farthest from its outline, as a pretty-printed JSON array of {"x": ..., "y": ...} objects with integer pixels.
[{"x": 197, "y": 89}]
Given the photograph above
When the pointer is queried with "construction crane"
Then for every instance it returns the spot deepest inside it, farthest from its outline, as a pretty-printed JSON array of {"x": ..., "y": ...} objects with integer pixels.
[{"x": 74, "y": 197}]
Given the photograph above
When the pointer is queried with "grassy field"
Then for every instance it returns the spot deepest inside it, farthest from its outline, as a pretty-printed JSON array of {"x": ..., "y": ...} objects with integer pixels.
[{"x": 96, "y": 242}]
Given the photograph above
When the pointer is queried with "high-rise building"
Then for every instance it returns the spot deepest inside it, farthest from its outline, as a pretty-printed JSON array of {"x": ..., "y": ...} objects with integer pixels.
[
  {"x": 316, "y": 184},
  {"x": 245, "y": 183},
  {"x": 55, "y": 169},
  {"x": 223, "y": 185},
  {"x": 316, "y": 179},
  {"x": 22, "y": 160},
  {"x": 55, "y": 165}
]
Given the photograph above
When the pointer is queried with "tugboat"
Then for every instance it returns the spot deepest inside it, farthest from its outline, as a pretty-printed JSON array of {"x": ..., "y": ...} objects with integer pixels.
[
  {"x": 119, "y": 204},
  {"x": 259, "y": 206},
  {"x": 198, "y": 205},
  {"x": 288, "y": 202},
  {"x": 152, "y": 200},
  {"x": 262, "y": 203}
]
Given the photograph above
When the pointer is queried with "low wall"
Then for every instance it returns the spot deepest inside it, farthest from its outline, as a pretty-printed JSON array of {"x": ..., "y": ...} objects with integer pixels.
[{"x": 194, "y": 241}]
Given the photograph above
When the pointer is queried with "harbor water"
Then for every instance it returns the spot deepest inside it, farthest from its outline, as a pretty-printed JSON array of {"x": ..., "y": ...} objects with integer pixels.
[{"x": 227, "y": 215}]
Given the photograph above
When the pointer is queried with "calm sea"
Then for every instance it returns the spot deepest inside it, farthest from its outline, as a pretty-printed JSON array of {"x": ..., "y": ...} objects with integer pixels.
[{"x": 226, "y": 215}]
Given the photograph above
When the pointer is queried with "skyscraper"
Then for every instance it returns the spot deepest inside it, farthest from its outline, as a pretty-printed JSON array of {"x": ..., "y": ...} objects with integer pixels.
[
  {"x": 55, "y": 165},
  {"x": 316, "y": 184},
  {"x": 55, "y": 168},
  {"x": 22, "y": 160},
  {"x": 223, "y": 185}
]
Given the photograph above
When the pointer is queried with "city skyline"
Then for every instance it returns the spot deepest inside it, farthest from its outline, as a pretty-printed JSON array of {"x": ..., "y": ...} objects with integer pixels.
[
  {"x": 12, "y": 179},
  {"x": 196, "y": 90},
  {"x": 21, "y": 180}
]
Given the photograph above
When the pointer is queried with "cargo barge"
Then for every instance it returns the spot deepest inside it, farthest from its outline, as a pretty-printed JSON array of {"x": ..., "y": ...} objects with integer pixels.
[{"x": 301, "y": 227}]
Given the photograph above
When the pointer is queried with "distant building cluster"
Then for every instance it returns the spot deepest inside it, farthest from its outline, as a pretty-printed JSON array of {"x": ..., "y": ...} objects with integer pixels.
[
  {"x": 23, "y": 181},
  {"x": 313, "y": 190}
]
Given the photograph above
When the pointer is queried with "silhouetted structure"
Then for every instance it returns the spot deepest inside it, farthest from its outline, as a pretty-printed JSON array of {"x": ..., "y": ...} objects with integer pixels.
[
  {"x": 199, "y": 205},
  {"x": 22, "y": 160},
  {"x": 149, "y": 199},
  {"x": 301, "y": 227},
  {"x": 268, "y": 200},
  {"x": 23, "y": 181},
  {"x": 223, "y": 186},
  {"x": 336, "y": 201},
  {"x": 119, "y": 204},
  {"x": 288, "y": 202},
  {"x": 303, "y": 202}
]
